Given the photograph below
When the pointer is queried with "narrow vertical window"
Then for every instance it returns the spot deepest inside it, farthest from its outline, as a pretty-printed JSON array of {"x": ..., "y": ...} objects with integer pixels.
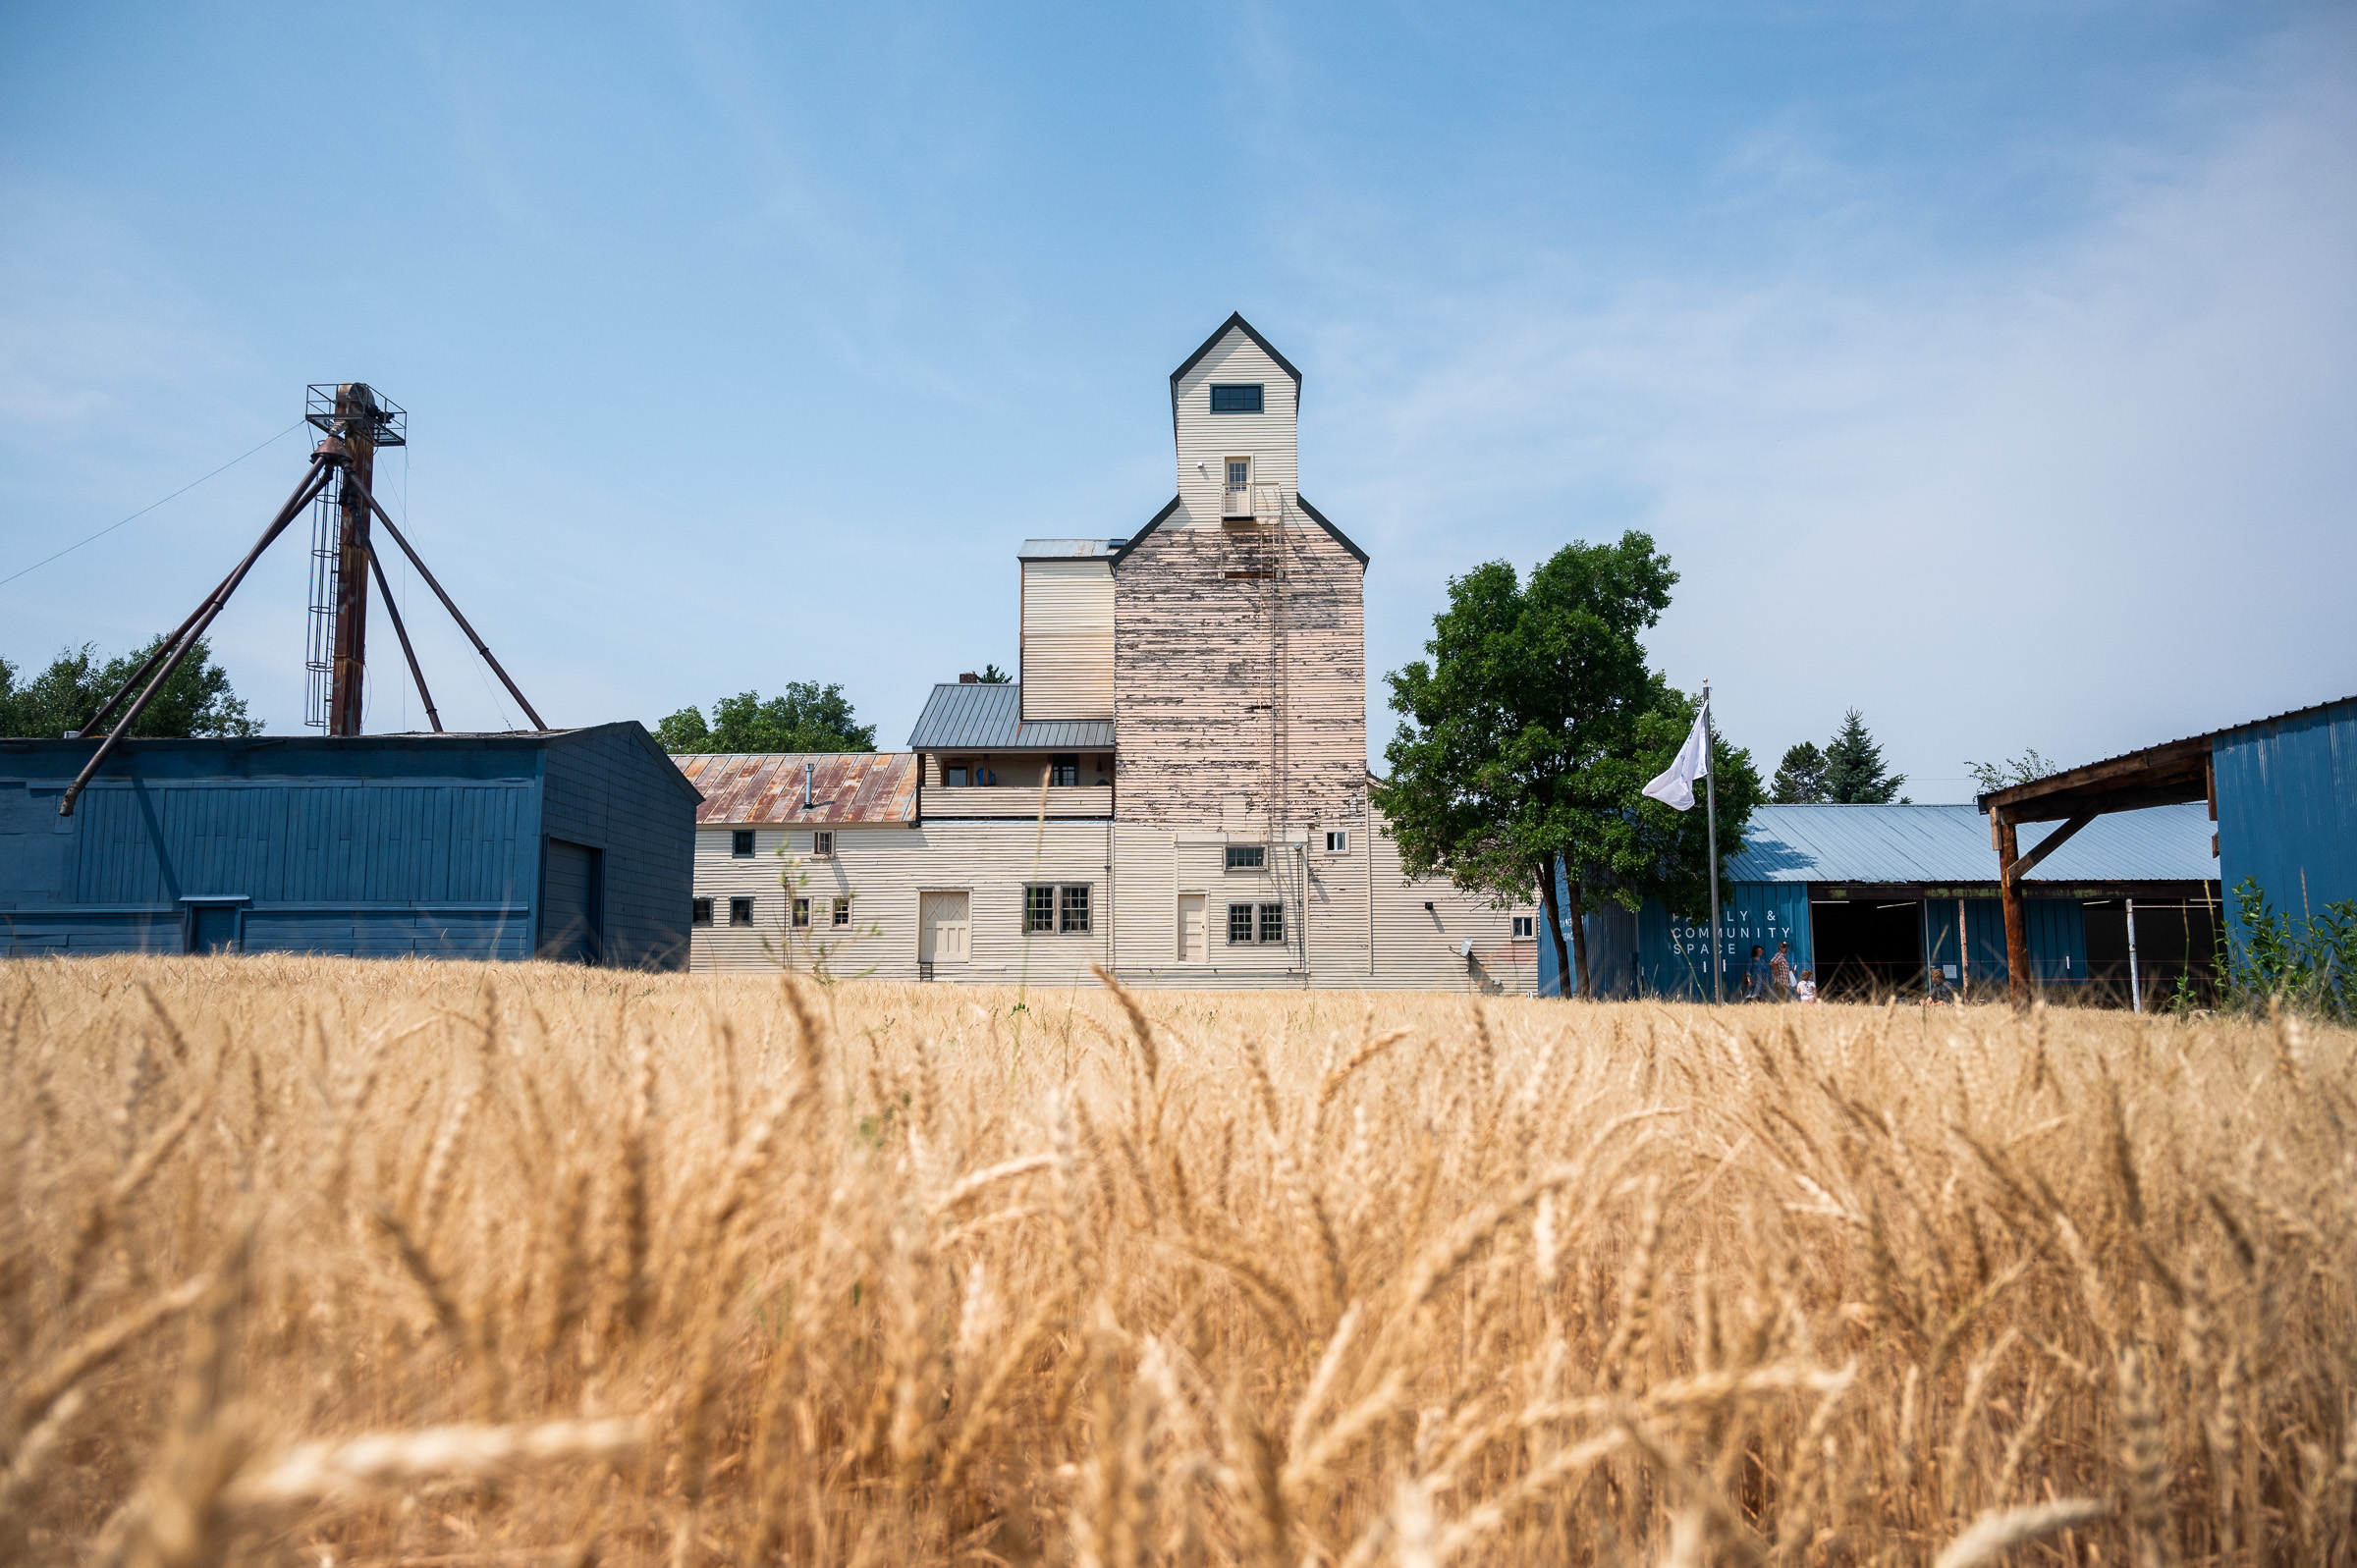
[
  {"x": 1272, "y": 922},
  {"x": 822, "y": 845},
  {"x": 801, "y": 911},
  {"x": 1076, "y": 909},
  {"x": 843, "y": 911},
  {"x": 1039, "y": 906},
  {"x": 1239, "y": 923}
]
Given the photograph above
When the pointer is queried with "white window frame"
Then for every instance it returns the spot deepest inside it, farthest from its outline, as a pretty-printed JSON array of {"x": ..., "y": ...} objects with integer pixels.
[
  {"x": 1337, "y": 840},
  {"x": 1526, "y": 927}
]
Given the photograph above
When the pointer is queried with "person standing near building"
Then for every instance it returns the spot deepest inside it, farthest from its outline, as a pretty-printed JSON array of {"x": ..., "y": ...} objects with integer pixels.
[
  {"x": 1755, "y": 975},
  {"x": 1779, "y": 971}
]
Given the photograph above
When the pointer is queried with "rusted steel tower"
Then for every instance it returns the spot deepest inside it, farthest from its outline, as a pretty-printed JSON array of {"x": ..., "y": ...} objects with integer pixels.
[
  {"x": 354, "y": 423},
  {"x": 351, "y": 414}
]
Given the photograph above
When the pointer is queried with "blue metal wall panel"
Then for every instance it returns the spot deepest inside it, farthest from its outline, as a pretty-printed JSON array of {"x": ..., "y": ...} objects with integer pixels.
[
  {"x": 612, "y": 789},
  {"x": 1675, "y": 953},
  {"x": 2287, "y": 809},
  {"x": 299, "y": 841}
]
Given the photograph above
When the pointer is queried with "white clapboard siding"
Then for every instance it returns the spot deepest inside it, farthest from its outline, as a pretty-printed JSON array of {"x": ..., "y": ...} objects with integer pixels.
[
  {"x": 1067, "y": 639},
  {"x": 1206, "y": 440}
]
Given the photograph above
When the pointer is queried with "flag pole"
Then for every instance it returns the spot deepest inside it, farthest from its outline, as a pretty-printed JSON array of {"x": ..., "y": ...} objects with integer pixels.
[{"x": 1709, "y": 810}]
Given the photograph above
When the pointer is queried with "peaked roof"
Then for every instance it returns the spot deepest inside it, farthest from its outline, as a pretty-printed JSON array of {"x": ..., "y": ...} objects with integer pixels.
[
  {"x": 766, "y": 787},
  {"x": 974, "y": 716},
  {"x": 1234, "y": 323},
  {"x": 1122, "y": 547},
  {"x": 1950, "y": 845}
]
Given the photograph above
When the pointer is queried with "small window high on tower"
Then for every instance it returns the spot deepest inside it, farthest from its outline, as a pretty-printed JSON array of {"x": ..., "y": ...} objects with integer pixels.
[{"x": 1236, "y": 399}]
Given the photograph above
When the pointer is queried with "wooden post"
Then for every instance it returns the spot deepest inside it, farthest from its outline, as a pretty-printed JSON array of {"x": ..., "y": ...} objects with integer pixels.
[
  {"x": 356, "y": 419},
  {"x": 2017, "y": 932}
]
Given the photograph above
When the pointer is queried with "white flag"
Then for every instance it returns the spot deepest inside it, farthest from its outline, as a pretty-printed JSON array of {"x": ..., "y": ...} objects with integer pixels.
[{"x": 1674, "y": 786}]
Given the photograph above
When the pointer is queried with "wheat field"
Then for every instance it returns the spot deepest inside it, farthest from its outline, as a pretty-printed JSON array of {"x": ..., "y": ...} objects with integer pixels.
[{"x": 328, "y": 1262}]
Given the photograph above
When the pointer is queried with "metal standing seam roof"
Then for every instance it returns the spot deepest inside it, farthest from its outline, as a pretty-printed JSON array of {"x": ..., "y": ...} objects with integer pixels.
[
  {"x": 971, "y": 716},
  {"x": 1068, "y": 548},
  {"x": 1950, "y": 844},
  {"x": 766, "y": 787}
]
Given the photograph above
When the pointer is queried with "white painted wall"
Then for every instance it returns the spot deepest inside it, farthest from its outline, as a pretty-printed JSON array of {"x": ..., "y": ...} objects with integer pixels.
[
  {"x": 1067, "y": 639},
  {"x": 1206, "y": 439}
]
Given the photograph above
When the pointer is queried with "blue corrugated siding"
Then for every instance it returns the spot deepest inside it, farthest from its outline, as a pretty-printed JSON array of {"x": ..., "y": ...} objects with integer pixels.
[
  {"x": 401, "y": 841},
  {"x": 2056, "y": 929},
  {"x": 614, "y": 791},
  {"x": 2287, "y": 809}
]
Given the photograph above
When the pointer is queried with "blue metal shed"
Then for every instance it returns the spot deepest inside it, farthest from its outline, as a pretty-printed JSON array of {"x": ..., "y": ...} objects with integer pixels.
[
  {"x": 572, "y": 844},
  {"x": 1924, "y": 877},
  {"x": 2281, "y": 792}
]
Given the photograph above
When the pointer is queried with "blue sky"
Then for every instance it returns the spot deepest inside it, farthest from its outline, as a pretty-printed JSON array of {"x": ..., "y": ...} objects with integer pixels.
[{"x": 1992, "y": 369}]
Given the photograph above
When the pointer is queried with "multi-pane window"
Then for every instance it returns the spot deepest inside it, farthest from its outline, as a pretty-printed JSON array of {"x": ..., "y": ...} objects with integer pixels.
[
  {"x": 1236, "y": 399},
  {"x": 741, "y": 911},
  {"x": 1240, "y": 472},
  {"x": 1339, "y": 842},
  {"x": 1247, "y": 856},
  {"x": 843, "y": 911},
  {"x": 1248, "y": 923},
  {"x": 1056, "y": 907},
  {"x": 1526, "y": 925},
  {"x": 703, "y": 913},
  {"x": 801, "y": 911},
  {"x": 822, "y": 845},
  {"x": 1064, "y": 769},
  {"x": 741, "y": 843}
]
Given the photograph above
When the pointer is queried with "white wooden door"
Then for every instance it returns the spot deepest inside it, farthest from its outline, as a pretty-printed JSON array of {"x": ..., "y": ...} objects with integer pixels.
[
  {"x": 1191, "y": 928},
  {"x": 941, "y": 927}
]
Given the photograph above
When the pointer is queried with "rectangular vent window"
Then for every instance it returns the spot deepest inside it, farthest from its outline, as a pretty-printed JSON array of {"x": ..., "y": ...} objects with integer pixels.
[{"x": 1247, "y": 856}]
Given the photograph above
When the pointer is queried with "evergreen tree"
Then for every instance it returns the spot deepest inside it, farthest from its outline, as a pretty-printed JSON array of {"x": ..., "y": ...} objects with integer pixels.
[
  {"x": 1854, "y": 773},
  {"x": 805, "y": 717},
  {"x": 196, "y": 701},
  {"x": 1801, "y": 776},
  {"x": 992, "y": 675}
]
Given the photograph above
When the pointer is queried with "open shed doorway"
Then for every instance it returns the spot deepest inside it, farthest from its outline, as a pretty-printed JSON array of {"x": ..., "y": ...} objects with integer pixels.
[{"x": 1866, "y": 949}]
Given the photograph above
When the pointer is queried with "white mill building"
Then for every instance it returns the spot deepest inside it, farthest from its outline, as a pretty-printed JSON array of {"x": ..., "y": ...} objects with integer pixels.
[{"x": 1176, "y": 787}]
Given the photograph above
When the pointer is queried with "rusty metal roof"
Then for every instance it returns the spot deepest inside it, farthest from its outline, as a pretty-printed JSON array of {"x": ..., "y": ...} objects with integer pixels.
[{"x": 766, "y": 787}]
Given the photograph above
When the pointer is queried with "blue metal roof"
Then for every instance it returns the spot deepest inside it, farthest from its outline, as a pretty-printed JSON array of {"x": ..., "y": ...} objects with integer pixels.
[
  {"x": 1950, "y": 844},
  {"x": 970, "y": 716}
]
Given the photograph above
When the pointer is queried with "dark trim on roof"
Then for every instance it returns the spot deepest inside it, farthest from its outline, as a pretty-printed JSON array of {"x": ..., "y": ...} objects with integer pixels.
[
  {"x": 2171, "y": 772},
  {"x": 1336, "y": 534},
  {"x": 1139, "y": 537},
  {"x": 1233, "y": 321}
]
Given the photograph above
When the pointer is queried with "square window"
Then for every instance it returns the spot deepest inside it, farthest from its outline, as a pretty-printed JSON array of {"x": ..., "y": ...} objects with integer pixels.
[
  {"x": 1039, "y": 906},
  {"x": 741, "y": 843},
  {"x": 1076, "y": 909},
  {"x": 1239, "y": 923},
  {"x": 1236, "y": 399},
  {"x": 822, "y": 845},
  {"x": 1063, "y": 770},
  {"x": 741, "y": 911},
  {"x": 1526, "y": 925},
  {"x": 1339, "y": 843},
  {"x": 703, "y": 913},
  {"x": 1272, "y": 922},
  {"x": 1247, "y": 856},
  {"x": 801, "y": 911},
  {"x": 843, "y": 911}
]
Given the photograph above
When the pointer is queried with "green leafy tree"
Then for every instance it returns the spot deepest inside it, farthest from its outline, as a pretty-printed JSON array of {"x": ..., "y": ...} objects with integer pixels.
[
  {"x": 1801, "y": 776},
  {"x": 1526, "y": 739},
  {"x": 805, "y": 717},
  {"x": 196, "y": 701},
  {"x": 1854, "y": 772},
  {"x": 992, "y": 675}
]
